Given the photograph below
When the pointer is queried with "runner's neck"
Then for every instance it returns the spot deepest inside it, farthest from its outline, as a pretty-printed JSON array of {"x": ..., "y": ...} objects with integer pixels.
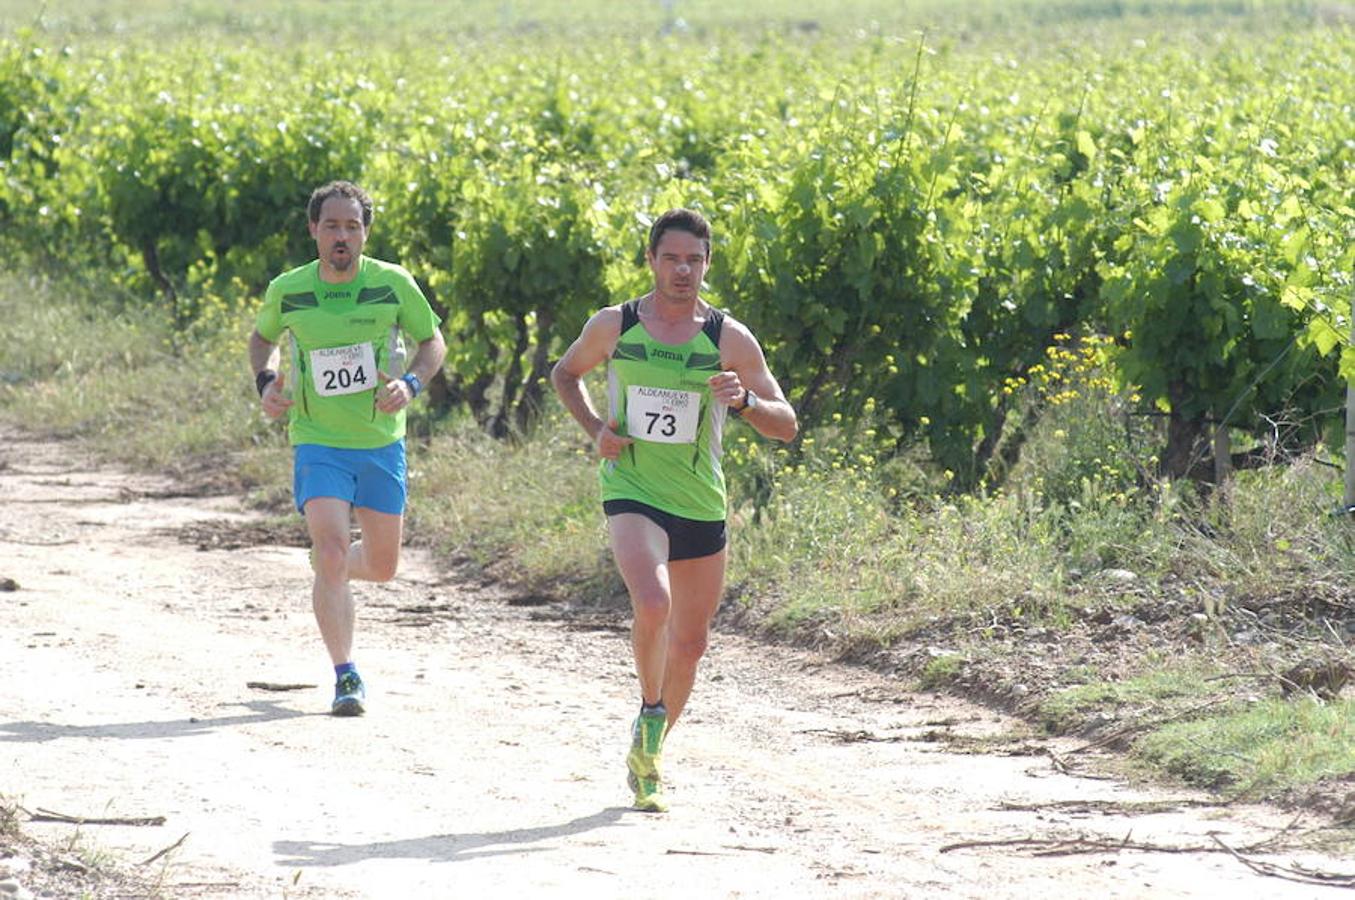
[
  {"x": 329, "y": 275},
  {"x": 671, "y": 312}
]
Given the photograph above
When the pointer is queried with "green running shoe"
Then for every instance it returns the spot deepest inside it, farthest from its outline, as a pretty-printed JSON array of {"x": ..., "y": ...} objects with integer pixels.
[
  {"x": 643, "y": 761},
  {"x": 648, "y": 794},
  {"x": 350, "y": 696}
]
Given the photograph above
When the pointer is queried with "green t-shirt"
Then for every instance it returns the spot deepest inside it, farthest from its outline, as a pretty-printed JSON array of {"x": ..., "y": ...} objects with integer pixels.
[
  {"x": 658, "y": 394},
  {"x": 342, "y": 333}
]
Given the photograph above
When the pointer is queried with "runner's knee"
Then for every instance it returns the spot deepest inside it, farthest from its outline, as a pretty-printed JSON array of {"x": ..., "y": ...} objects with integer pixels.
[
  {"x": 330, "y": 557},
  {"x": 687, "y": 650},
  {"x": 651, "y": 608},
  {"x": 383, "y": 568}
]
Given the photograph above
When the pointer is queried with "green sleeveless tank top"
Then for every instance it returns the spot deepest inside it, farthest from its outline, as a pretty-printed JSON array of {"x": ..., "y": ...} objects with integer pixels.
[{"x": 658, "y": 395}]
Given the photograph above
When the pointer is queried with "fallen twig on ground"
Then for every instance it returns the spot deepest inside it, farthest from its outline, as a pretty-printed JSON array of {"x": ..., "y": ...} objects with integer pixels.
[
  {"x": 1082, "y": 844},
  {"x": 58, "y": 542},
  {"x": 749, "y": 849},
  {"x": 271, "y": 686},
  {"x": 47, "y": 815},
  {"x": 1289, "y": 873},
  {"x": 1107, "y": 807},
  {"x": 842, "y": 736},
  {"x": 171, "y": 848}
]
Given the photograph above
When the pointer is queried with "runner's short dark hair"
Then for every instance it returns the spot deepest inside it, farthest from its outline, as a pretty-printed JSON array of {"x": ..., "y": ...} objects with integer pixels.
[
  {"x": 340, "y": 189},
  {"x": 688, "y": 220}
]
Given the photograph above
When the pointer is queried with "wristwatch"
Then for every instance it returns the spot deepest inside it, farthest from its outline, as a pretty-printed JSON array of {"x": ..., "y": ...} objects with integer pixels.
[{"x": 749, "y": 401}]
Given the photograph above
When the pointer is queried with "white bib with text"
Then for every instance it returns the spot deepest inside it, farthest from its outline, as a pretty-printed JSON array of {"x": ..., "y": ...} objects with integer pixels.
[
  {"x": 344, "y": 370},
  {"x": 662, "y": 415}
]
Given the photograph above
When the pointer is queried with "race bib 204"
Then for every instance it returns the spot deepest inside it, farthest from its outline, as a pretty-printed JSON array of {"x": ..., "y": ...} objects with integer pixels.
[
  {"x": 344, "y": 370},
  {"x": 662, "y": 415}
]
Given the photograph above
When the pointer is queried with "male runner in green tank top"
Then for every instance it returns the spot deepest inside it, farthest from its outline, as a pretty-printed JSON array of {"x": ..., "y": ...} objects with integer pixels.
[
  {"x": 675, "y": 367},
  {"x": 347, "y": 314}
]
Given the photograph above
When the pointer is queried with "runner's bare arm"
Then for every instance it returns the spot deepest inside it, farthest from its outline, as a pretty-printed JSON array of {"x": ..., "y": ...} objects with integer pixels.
[
  {"x": 396, "y": 393},
  {"x": 591, "y": 349},
  {"x": 428, "y": 357},
  {"x": 263, "y": 353},
  {"x": 745, "y": 366},
  {"x": 264, "y": 356}
]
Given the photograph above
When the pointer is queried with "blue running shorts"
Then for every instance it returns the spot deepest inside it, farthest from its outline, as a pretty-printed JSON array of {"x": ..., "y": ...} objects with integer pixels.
[{"x": 373, "y": 479}]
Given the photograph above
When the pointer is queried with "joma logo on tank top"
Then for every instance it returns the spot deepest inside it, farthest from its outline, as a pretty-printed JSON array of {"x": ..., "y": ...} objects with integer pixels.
[{"x": 667, "y": 354}]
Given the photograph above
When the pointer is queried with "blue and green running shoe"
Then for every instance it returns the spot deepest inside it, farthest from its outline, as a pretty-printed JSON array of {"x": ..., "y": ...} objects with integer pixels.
[{"x": 349, "y": 696}]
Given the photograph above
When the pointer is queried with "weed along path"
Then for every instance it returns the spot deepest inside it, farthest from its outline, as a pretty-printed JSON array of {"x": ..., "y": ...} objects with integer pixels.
[{"x": 147, "y": 676}]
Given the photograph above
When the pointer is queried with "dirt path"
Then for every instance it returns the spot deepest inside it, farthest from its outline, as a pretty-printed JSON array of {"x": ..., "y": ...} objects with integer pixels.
[{"x": 491, "y": 759}]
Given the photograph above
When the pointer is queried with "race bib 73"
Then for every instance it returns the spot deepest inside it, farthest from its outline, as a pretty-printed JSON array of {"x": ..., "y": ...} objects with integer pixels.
[{"x": 662, "y": 415}]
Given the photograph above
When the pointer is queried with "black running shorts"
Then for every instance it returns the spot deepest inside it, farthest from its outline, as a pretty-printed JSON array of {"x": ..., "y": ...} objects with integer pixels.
[{"x": 687, "y": 538}]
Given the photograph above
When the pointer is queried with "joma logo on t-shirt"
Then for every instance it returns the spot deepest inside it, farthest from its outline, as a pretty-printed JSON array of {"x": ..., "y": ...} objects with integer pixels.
[
  {"x": 666, "y": 354},
  {"x": 330, "y": 295},
  {"x": 362, "y": 321}
]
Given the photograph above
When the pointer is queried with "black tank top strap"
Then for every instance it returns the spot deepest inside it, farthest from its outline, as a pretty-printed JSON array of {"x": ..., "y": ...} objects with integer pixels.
[
  {"x": 715, "y": 322},
  {"x": 630, "y": 315}
]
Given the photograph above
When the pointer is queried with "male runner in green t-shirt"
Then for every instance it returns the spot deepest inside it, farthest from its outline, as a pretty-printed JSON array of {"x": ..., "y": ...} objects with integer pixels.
[
  {"x": 347, "y": 314},
  {"x": 675, "y": 366}
]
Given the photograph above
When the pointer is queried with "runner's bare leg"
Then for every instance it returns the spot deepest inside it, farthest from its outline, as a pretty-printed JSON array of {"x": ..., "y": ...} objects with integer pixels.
[
  {"x": 327, "y": 520},
  {"x": 377, "y": 555},
  {"x": 697, "y": 586},
  {"x": 640, "y": 548}
]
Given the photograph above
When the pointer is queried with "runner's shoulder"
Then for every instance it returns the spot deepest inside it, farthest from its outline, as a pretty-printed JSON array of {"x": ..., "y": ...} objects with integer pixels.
[
  {"x": 379, "y": 271},
  {"x": 607, "y": 319},
  {"x": 733, "y": 328},
  {"x": 300, "y": 278}
]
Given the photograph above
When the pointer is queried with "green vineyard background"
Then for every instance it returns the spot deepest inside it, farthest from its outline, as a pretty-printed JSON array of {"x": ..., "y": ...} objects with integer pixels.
[{"x": 913, "y": 224}]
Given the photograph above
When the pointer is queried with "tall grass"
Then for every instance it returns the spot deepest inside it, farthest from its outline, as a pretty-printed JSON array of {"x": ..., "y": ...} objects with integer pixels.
[
  {"x": 1259, "y": 748},
  {"x": 530, "y": 506},
  {"x": 112, "y": 376}
]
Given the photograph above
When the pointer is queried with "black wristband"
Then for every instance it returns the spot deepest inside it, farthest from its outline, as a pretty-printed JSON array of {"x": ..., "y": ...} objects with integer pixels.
[{"x": 263, "y": 379}]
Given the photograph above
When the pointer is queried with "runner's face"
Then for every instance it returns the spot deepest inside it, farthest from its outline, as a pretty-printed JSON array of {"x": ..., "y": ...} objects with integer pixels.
[
  {"x": 340, "y": 234},
  {"x": 679, "y": 264}
]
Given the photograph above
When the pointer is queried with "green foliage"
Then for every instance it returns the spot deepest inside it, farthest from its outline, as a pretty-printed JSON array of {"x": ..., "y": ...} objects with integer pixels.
[
  {"x": 205, "y": 180},
  {"x": 38, "y": 110},
  {"x": 527, "y": 265},
  {"x": 1076, "y": 707},
  {"x": 941, "y": 671},
  {"x": 1259, "y": 748},
  {"x": 897, "y": 223},
  {"x": 841, "y": 267},
  {"x": 1227, "y": 292},
  {"x": 1081, "y": 442}
]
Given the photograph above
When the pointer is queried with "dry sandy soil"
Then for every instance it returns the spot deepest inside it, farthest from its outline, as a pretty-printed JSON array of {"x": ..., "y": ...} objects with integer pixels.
[{"x": 491, "y": 760}]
